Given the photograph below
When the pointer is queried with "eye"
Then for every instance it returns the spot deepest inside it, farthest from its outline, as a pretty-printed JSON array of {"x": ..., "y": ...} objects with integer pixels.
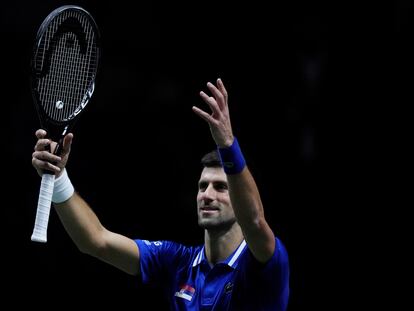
[
  {"x": 202, "y": 186},
  {"x": 220, "y": 186}
]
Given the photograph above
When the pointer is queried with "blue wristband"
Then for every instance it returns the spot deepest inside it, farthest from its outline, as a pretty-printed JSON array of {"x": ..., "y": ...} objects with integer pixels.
[{"x": 232, "y": 158}]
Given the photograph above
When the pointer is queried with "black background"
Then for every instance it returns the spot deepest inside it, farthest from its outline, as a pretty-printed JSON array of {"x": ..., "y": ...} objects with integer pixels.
[{"x": 313, "y": 91}]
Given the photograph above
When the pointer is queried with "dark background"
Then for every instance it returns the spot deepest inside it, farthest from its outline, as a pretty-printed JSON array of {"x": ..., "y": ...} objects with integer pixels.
[{"x": 313, "y": 93}]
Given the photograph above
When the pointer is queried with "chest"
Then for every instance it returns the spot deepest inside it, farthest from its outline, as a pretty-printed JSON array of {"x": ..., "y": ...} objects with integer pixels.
[{"x": 202, "y": 288}]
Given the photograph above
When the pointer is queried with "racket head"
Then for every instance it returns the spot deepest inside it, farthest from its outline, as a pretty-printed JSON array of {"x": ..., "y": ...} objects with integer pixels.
[{"x": 64, "y": 67}]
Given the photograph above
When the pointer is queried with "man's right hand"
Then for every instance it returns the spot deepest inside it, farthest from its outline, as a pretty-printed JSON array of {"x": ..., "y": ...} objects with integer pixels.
[{"x": 43, "y": 159}]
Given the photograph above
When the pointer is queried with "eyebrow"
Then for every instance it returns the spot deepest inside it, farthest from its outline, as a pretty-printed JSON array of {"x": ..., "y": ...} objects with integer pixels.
[{"x": 214, "y": 182}]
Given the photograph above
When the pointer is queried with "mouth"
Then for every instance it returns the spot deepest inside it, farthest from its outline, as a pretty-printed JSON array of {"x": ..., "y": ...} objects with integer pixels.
[{"x": 208, "y": 209}]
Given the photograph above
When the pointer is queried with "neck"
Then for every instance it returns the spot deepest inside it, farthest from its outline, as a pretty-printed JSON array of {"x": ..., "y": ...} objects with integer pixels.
[{"x": 220, "y": 244}]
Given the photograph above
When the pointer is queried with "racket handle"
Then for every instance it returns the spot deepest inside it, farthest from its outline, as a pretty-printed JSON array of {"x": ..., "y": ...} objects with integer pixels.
[{"x": 43, "y": 208}]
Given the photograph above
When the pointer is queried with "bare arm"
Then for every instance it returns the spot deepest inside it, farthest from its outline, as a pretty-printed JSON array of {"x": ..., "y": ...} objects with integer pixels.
[
  {"x": 249, "y": 212},
  {"x": 85, "y": 229},
  {"x": 81, "y": 223},
  {"x": 244, "y": 195}
]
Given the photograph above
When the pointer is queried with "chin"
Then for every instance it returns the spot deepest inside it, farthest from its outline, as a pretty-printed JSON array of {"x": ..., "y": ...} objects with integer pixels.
[{"x": 208, "y": 223}]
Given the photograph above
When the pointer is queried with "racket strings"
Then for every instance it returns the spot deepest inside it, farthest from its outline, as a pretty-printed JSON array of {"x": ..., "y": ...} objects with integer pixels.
[{"x": 67, "y": 87}]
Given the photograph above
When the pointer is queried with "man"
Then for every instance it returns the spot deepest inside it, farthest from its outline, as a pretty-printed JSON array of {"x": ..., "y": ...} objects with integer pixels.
[{"x": 241, "y": 266}]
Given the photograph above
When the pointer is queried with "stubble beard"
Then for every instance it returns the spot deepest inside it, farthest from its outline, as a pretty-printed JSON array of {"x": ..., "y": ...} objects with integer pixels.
[{"x": 216, "y": 223}]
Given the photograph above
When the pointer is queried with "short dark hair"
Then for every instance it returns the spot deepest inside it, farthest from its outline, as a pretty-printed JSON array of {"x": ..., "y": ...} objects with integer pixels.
[{"x": 211, "y": 159}]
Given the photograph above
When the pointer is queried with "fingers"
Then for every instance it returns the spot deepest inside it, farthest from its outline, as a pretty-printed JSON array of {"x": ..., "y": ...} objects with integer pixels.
[
  {"x": 46, "y": 156},
  {"x": 202, "y": 114},
  {"x": 40, "y": 133},
  {"x": 211, "y": 102},
  {"x": 67, "y": 143},
  {"x": 218, "y": 95},
  {"x": 43, "y": 157},
  {"x": 222, "y": 89},
  {"x": 42, "y": 166},
  {"x": 42, "y": 144},
  {"x": 41, "y": 160},
  {"x": 217, "y": 102}
]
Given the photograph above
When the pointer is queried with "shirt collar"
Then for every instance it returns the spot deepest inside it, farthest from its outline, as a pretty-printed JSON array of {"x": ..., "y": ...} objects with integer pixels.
[{"x": 231, "y": 261}]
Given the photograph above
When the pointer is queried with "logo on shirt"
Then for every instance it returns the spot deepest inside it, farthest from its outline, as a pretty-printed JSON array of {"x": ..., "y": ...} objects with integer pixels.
[
  {"x": 186, "y": 292},
  {"x": 156, "y": 243},
  {"x": 228, "y": 288}
]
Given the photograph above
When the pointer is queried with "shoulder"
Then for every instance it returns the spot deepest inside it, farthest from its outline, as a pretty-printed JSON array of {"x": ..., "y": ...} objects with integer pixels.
[
  {"x": 169, "y": 249},
  {"x": 279, "y": 257},
  {"x": 280, "y": 251}
]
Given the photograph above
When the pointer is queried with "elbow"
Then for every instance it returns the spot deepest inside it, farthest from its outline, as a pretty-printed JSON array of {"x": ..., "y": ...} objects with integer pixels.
[
  {"x": 92, "y": 250},
  {"x": 258, "y": 222},
  {"x": 88, "y": 249},
  {"x": 254, "y": 225},
  {"x": 94, "y": 247}
]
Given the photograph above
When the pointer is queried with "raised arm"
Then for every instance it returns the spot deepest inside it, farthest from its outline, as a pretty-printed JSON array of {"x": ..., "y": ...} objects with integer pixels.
[
  {"x": 80, "y": 222},
  {"x": 244, "y": 194}
]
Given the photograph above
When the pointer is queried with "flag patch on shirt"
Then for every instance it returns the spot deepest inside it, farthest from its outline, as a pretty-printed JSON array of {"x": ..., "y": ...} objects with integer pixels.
[{"x": 186, "y": 292}]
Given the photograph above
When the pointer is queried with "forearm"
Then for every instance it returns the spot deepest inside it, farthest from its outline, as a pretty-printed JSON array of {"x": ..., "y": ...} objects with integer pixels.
[
  {"x": 92, "y": 238},
  {"x": 248, "y": 208},
  {"x": 77, "y": 217},
  {"x": 245, "y": 198},
  {"x": 81, "y": 223},
  {"x": 243, "y": 190}
]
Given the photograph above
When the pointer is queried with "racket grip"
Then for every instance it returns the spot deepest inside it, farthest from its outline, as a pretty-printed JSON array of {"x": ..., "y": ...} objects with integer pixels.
[{"x": 43, "y": 208}]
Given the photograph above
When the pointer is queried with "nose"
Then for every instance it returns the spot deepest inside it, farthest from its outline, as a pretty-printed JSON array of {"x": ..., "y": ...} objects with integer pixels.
[{"x": 209, "y": 193}]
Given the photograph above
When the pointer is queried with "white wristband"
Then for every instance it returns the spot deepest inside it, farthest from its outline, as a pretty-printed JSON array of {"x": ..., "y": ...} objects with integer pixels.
[{"x": 63, "y": 189}]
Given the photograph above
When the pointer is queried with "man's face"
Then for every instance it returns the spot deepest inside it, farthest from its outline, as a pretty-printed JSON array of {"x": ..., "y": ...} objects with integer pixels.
[{"x": 213, "y": 200}]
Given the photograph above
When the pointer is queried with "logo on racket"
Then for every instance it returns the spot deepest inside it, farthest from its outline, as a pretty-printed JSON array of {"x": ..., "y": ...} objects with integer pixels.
[{"x": 59, "y": 104}]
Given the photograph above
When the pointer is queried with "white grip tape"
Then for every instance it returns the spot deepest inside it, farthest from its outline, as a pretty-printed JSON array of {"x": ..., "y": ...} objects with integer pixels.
[{"x": 43, "y": 208}]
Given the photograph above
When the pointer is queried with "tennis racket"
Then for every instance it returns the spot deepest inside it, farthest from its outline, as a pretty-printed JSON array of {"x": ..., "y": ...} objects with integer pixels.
[{"x": 64, "y": 67}]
